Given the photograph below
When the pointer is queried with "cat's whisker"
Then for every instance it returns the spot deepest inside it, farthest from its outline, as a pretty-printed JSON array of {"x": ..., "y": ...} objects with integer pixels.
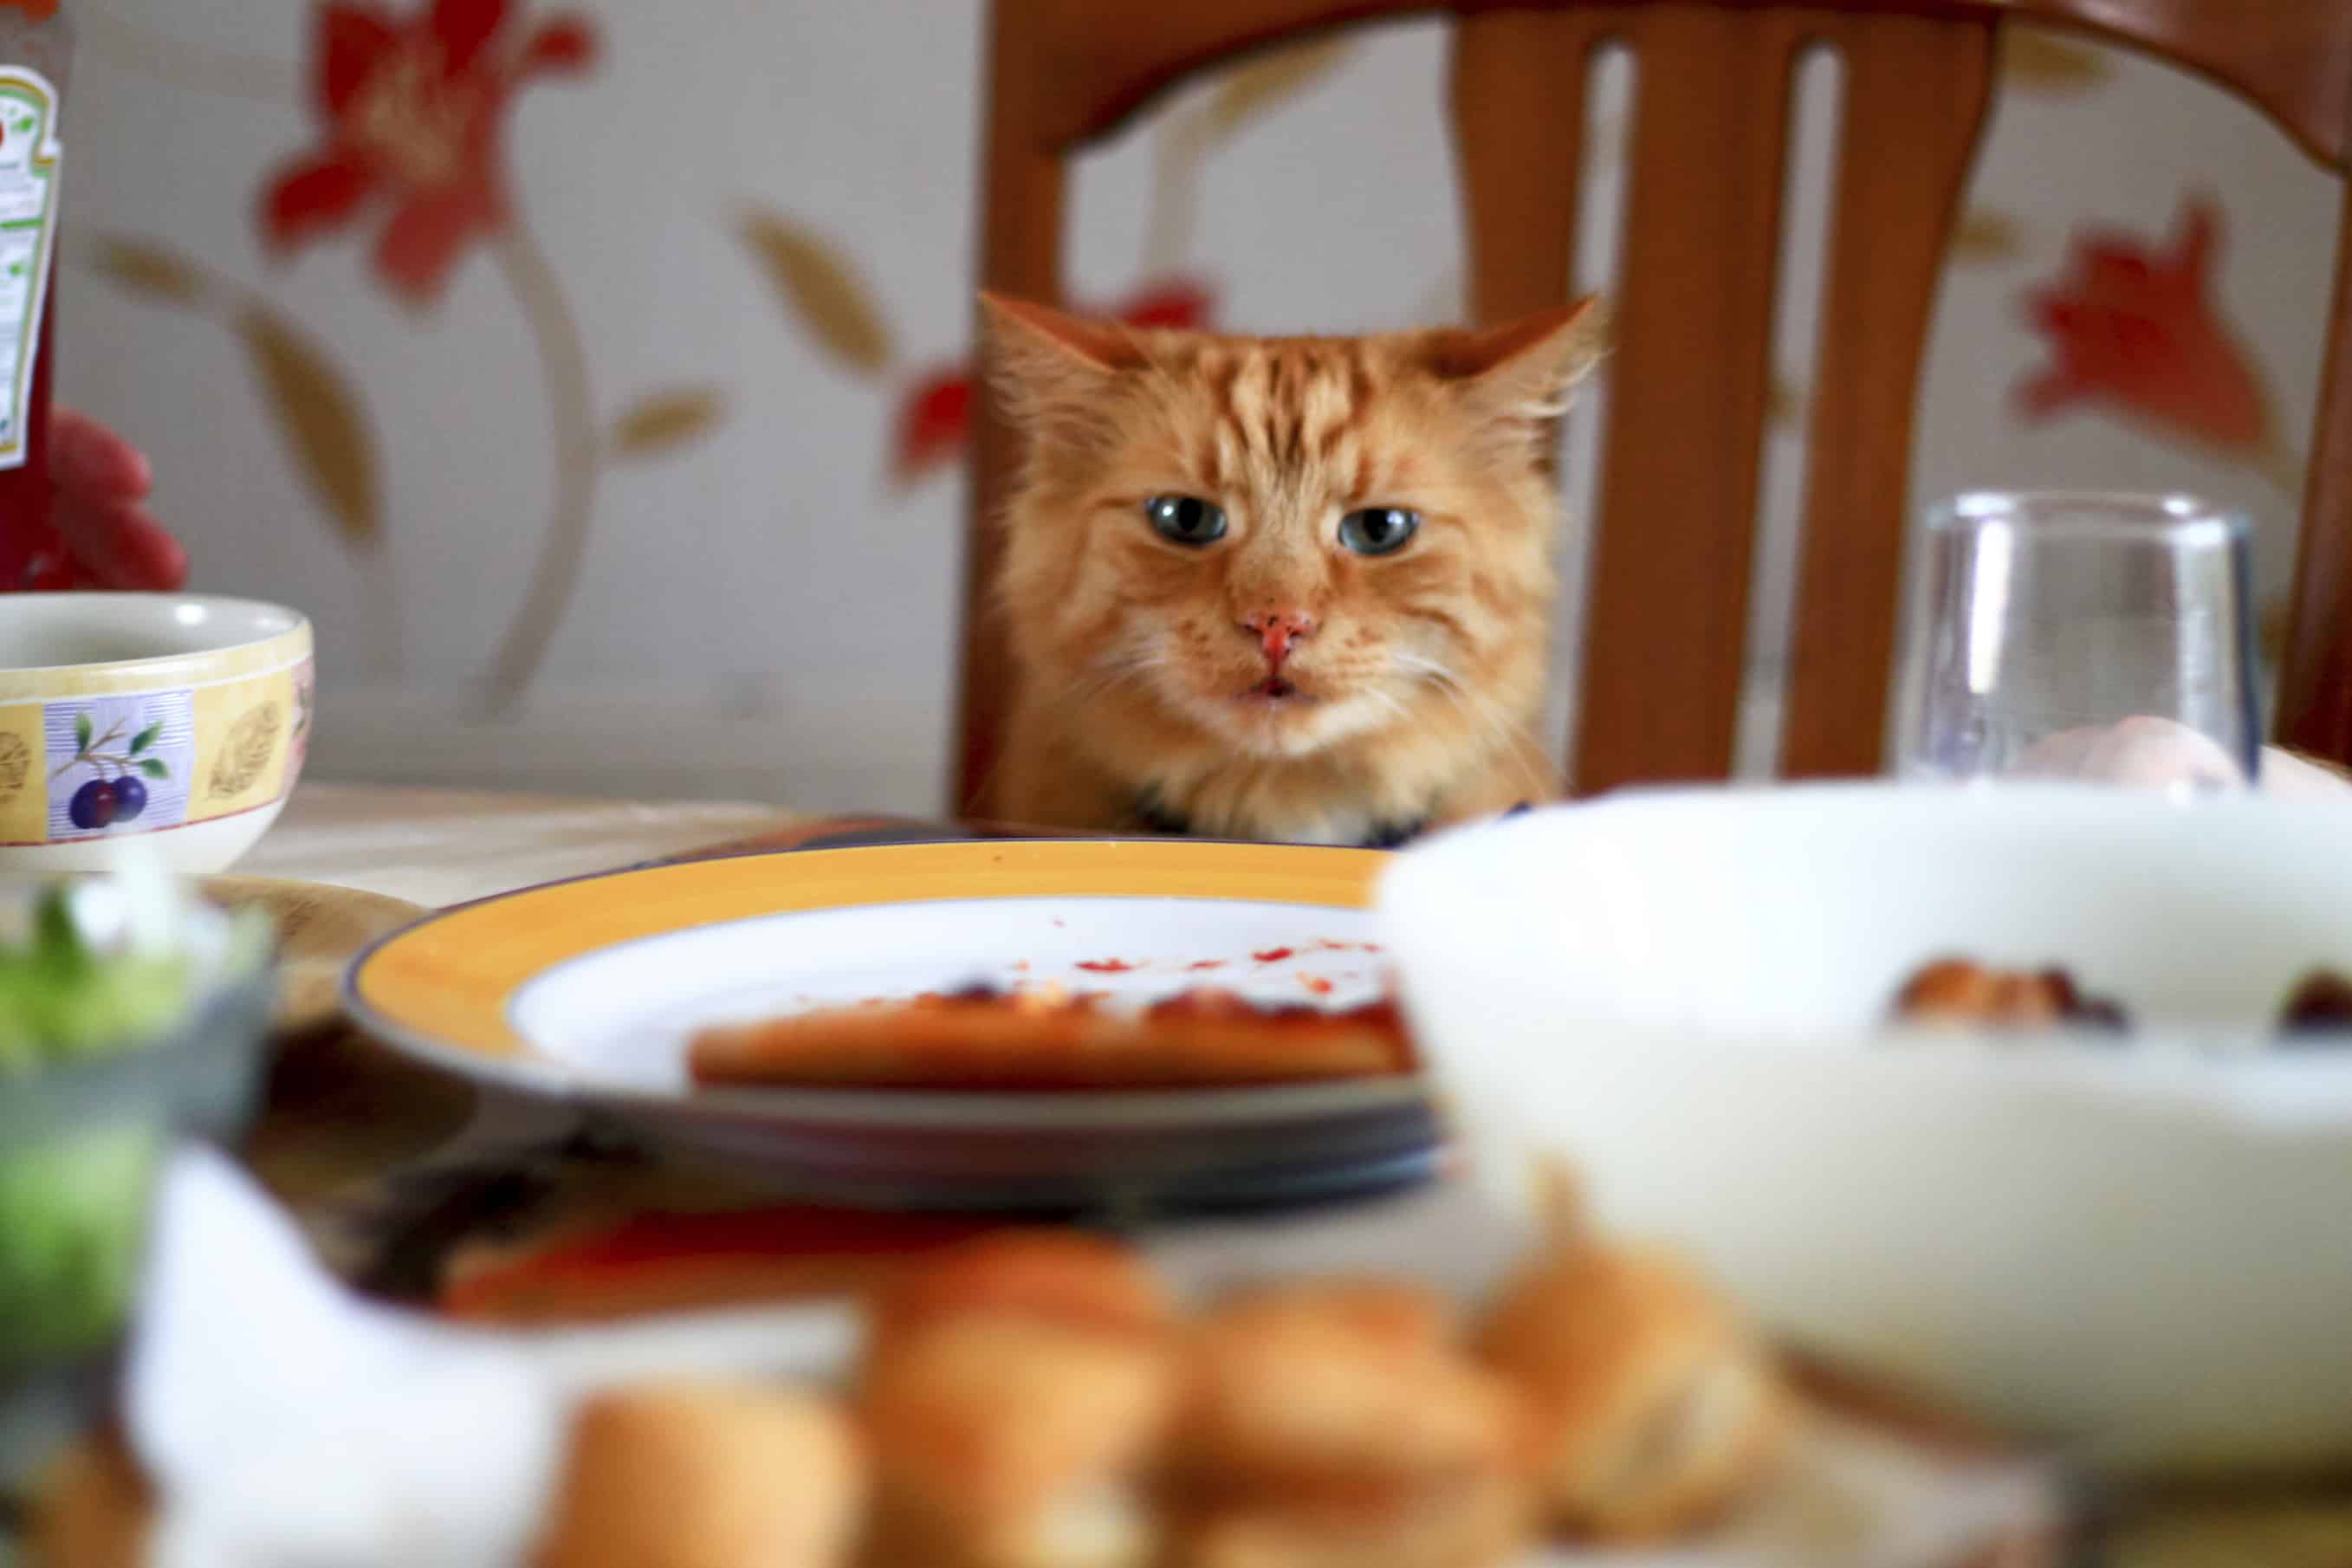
[
  {"x": 1488, "y": 717},
  {"x": 1116, "y": 670},
  {"x": 1445, "y": 687},
  {"x": 1480, "y": 724}
]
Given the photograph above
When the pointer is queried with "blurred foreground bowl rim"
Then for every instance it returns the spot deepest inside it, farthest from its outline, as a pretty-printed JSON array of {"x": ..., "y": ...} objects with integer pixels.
[{"x": 1424, "y": 872}]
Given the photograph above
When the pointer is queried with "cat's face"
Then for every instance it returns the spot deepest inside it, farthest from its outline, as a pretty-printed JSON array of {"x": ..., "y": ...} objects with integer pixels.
[{"x": 1283, "y": 544}]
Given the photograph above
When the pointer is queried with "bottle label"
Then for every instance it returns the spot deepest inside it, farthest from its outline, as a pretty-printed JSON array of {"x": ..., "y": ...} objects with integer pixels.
[{"x": 28, "y": 228}]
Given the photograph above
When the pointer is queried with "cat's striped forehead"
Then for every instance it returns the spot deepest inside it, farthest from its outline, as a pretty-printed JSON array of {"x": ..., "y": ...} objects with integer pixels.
[{"x": 1278, "y": 411}]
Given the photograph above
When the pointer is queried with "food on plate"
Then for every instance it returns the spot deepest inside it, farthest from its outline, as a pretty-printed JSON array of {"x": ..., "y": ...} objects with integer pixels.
[
  {"x": 1480, "y": 1521},
  {"x": 984, "y": 1038},
  {"x": 1350, "y": 1383},
  {"x": 1344, "y": 1422},
  {"x": 1066, "y": 1277},
  {"x": 1654, "y": 1406},
  {"x": 1003, "y": 1440},
  {"x": 1958, "y": 991},
  {"x": 1041, "y": 1398},
  {"x": 1017, "y": 1391},
  {"x": 708, "y": 1475},
  {"x": 2321, "y": 1004},
  {"x": 1037, "y": 1399}
]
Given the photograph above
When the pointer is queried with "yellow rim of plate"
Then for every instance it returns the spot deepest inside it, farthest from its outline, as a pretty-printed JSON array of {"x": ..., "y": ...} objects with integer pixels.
[{"x": 450, "y": 979}]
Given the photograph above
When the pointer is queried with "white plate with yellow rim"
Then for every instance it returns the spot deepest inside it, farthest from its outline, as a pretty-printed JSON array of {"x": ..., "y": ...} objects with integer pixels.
[{"x": 589, "y": 990}]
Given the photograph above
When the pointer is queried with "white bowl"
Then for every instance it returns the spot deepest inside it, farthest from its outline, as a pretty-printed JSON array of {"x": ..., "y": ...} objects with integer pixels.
[
  {"x": 2143, "y": 1249},
  {"x": 205, "y": 703}
]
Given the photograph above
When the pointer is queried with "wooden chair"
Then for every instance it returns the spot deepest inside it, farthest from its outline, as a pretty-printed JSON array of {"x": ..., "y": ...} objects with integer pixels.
[{"x": 1694, "y": 312}]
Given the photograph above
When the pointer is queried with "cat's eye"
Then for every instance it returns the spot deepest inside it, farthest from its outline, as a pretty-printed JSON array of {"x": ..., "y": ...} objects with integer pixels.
[
  {"x": 1377, "y": 529},
  {"x": 1186, "y": 520}
]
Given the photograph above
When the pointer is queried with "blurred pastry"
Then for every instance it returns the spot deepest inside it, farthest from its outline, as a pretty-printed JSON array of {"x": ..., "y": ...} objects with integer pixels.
[
  {"x": 1018, "y": 1391},
  {"x": 690, "y": 1476},
  {"x": 1357, "y": 1383},
  {"x": 93, "y": 1509},
  {"x": 1068, "y": 1276},
  {"x": 1654, "y": 1409},
  {"x": 1343, "y": 1422},
  {"x": 1003, "y": 1440},
  {"x": 1480, "y": 1522}
]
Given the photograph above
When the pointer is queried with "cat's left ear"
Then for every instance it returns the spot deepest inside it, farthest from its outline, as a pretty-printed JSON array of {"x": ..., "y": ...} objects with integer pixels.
[{"x": 1522, "y": 371}]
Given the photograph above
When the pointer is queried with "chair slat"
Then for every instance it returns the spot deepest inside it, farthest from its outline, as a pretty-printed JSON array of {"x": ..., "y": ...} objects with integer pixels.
[
  {"x": 1914, "y": 104},
  {"x": 1674, "y": 524}
]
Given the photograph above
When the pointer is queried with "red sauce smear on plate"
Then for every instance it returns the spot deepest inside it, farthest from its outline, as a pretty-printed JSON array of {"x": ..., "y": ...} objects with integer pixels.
[
  {"x": 1275, "y": 955},
  {"x": 1107, "y": 966}
]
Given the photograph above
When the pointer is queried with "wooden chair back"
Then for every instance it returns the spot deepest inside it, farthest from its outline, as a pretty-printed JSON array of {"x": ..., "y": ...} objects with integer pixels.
[{"x": 1675, "y": 517}]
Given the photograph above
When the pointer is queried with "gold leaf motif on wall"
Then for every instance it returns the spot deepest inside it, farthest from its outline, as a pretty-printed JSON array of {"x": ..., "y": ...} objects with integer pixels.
[
  {"x": 1271, "y": 79},
  {"x": 317, "y": 414},
  {"x": 244, "y": 752},
  {"x": 1986, "y": 235},
  {"x": 149, "y": 269},
  {"x": 2039, "y": 61},
  {"x": 820, "y": 284},
  {"x": 666, "y": 419}
]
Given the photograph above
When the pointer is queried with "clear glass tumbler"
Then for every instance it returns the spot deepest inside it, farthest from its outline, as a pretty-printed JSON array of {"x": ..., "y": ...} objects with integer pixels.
[{"x": 2046, "y": 627}]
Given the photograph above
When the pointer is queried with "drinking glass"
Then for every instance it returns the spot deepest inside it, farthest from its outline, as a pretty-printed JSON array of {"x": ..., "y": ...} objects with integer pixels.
[{"x": 2048, "y": 627}]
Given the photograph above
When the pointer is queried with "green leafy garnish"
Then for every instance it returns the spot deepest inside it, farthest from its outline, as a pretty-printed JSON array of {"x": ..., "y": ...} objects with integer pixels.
[
  {"x": 60, "y": 997},
  {"x": 107, "y": 969},
  {"x": 72, "y": 1211}
]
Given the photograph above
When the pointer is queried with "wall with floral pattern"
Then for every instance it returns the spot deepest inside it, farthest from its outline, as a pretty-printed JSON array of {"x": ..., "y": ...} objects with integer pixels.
[{"x": 596, "y": 376}]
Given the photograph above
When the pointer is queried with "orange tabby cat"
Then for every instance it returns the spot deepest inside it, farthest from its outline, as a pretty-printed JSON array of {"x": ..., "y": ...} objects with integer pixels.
[{"x": 1278, "y": 588}]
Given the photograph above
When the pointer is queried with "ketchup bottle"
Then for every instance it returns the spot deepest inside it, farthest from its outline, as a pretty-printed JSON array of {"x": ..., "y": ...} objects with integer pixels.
[{"x": 36, "y": 55}]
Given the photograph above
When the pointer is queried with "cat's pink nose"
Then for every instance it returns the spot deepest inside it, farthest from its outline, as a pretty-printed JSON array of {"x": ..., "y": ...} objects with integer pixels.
[{"x": 1277, "y": 630}]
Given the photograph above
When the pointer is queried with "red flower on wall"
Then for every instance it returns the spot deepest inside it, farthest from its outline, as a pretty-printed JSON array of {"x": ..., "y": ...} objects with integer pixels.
[
  {"x": 934, "y": 421},
  {"x": 2133, "y": 327},
  {"x": 413, "y": 110}
]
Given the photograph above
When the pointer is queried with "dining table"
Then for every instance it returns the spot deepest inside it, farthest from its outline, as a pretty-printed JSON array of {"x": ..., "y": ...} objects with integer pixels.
[
  {"x": 442, "y": 846},
  {"x": 392, "y": 1169}
]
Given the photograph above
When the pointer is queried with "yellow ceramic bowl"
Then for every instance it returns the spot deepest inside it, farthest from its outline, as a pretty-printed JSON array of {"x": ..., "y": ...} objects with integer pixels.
[{"x": 178, "y": 718}]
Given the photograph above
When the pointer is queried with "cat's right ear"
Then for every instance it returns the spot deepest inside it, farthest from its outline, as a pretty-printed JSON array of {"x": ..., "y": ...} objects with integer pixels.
[{"x": 1040, "y": 360}]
